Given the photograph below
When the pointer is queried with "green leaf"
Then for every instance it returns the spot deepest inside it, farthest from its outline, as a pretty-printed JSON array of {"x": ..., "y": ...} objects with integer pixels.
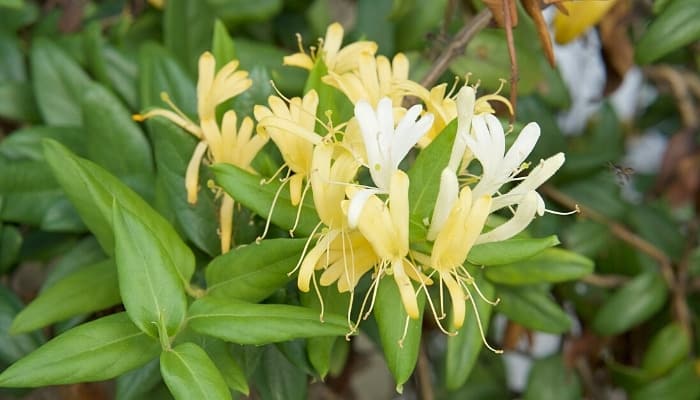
[
  {"x": 424, "y": 176},
  {"x": 509, "y": 251},
  {"x": 191, "y": 374},
  {"x": 255, "y": 271},
  {"x": 668, "y": 348},
  {"x": 187, "y": 30},
  {"x": 400, "y": 352},
  {"x": 320, "y": 350},
  {"x": 59, "y": 83},
  {"x": 373, "y": 22},
  {"x": 11, "y": 3},
  {"x": 550, "y": 379},
  {"x": 238, "y": 11},
  {"x": 254, "y": 54},
  {"x": 632, "y": 304},
  {"x": 95, "y": 351},
  {"x": 69, "y": 297},
  {"x": 12, "y": 65},
  {"x": 233, "y": 374},
  {"x": 551, "y": 265},
  {"x": 532, "y": 308},
  {"x": 136, "y": 384},
  {"x": 160, "y": 72},
  {"x": 464, "y": 348},
  {"x": 247, "y": 189},
  {"x": 682, "y": 383},
  {"x": 671, "y": 30},
  {"x": 17, "y": 102},
  {"x": 110, "y": 127},
  {"x": 92, "y": 190},
  {"x": 586, "y": 237},
  {"x": 148, "y": 279},
  {"x": 329, "y": 98},
  {"x": 25, "y": 143},
  {"x": 10, "y": 244},
  {"x": 413, "y": 29},
  {"x": 222, "y": 45},
  {"x": 123, "y": 75},
  {"x": 14, "y": 347},
  {"x": 277, "y": 379},
  {"x": 246, "y": 323},
  {"x": 84, "y": 253},
  {"x": 173, "y": 149}
]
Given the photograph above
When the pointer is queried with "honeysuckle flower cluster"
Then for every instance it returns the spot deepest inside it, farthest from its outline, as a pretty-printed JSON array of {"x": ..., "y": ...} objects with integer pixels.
[{"x": 364, "y": 227}]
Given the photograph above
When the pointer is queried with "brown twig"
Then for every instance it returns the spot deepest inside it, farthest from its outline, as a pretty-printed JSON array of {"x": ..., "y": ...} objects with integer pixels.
[
  {"x": 514, "y": 76},
  {"x": 605, "y": 281},
  {"x": 456, "y": 46},
  {"x": 675, "y": 285},
  {"x": 423, "y": 373}
]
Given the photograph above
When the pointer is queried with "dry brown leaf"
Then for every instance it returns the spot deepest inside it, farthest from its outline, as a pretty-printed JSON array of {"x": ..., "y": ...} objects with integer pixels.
[
  {"x": 534, "y": 10},
  {"x": 496, "y": 7},
  {"x": 618, "y": 50}
]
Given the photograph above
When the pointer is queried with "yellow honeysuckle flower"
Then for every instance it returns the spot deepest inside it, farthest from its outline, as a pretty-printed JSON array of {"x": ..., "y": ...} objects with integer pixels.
[
  {"x": 386, "y": 228},
  {"x": 292, "y": 127},
  {"x": 337, "y": 59},
  {"x": 374, "y": 79},
  {"x": 225, "y": 142},
  {"x": 582, "y": 16}
]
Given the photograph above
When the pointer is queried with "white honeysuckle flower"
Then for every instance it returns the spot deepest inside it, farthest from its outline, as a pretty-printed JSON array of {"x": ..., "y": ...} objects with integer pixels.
[
  {"x": 540, "y": 174},
  {"x": 385, "y": 145},
  {"x": 447, "y": 196},
  {"x": 488, "y": 144},
  {"x": 527, "y": 207},
  {"x": 466, "y": 98}
]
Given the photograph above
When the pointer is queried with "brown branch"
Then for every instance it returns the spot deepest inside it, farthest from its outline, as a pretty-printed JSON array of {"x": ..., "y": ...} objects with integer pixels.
[
  {"x": 605, "y": 281},
  {"x": 680, "y": 89},
  {"x": 457, "y": 46},
  {"x": 514, "y": 75}
]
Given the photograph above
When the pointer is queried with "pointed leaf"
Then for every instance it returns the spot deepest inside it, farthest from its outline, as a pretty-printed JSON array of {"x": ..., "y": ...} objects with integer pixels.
[
  {"x": 246, "y": 323},
  {"x": 95, "y": 351},
  {"x": 14, "y": 347},
  {"x": 247, "y": 189},
  {"x": 671, "y": 30},
  {"x": 190, "y": 374},
  {"x": 668, "y": 348},
  {"x": 255, "y": 271},
  {"x": 92, "y": 190},
  {"x": 187, "y": 44},
  {"x": 160, "y": 72},
  {"x": 148, "y": 280},
  {"x": 220, "y": 353},
  {"x": 222, "y": 46},
  {"x": 551, "y": 379},
  {"x": 68, "y": 297},
  {"x": 136, "y": 384}
]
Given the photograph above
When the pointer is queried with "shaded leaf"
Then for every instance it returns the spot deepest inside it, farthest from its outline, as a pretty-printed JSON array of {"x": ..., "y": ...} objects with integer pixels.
[
  {"x": 668, "y": 348},
  {"x": 674, "y": 28},
  {"x": 509, "y": 251},
  {"x": 532, "y": 308},
  {"x": 550, "y": 379},
  {"x": 191, "y": 374},
  {"x": 551, "y": 265}
]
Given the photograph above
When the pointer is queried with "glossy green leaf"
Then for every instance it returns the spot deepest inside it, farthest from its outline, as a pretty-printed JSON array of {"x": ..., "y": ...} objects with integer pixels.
[
  {"x": 532, "y": 308},
  {"x": 233, "y": 374},
  {"x": 253, "y": 272},
  {"x": 464, "y": 348},
  {"x": 668, "y": 348},
  {"x": 551, "y": 265},
  {"x": 673, "y": 29},
  {"x": 10, "y": 244},
  {"x": 248, "y": 190},
  {"x": 17, "y": 102},
  {"x": 187, "y": 30},
  {"x": 95, "y": 351},
  {"x": 400, "y": 352},
  {"x": 14, "y": 347},
  {"x": 509, "y": 251},
  {"x": 83, "y": 253},
  {"x": 173, "y": 150},
  {"x": 191, "y": 374},
  {"x": 424, "y": 176},
  {"x": 222, "y": 45},
  {"x": 109, "y": 127},
  {"x": 237, "y": 11},
  {"x": 92, "y": 190},
  {"x": 149, "y": 283},
  {"x": 550, "y": 379},
  {"x": 59, "y": 83},
  {"x": 122, "y": 74},
  {"x": 329, "y": 98},
  {"x": 69, "y": 297},
  {"x": 247, "y": 323},
  {"x": 632, "y": 304},
  {"x": 682, "y": 383},
  {"x": 253, "y": 54}
]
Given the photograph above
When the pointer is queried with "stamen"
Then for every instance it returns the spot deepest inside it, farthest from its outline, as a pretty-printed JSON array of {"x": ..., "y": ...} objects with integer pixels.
[
  {"x": 269, "y": 214},
  {"x": 305, "y": 250},
  {"x": 576, "y": 210},
  {"x": 481, "y": 328},
  {"x": 301, "y": 203},
  {"x": 318, "y": 294},
  {"x": 405, "y": 332},
  {"x": 300, "y": 43}
]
